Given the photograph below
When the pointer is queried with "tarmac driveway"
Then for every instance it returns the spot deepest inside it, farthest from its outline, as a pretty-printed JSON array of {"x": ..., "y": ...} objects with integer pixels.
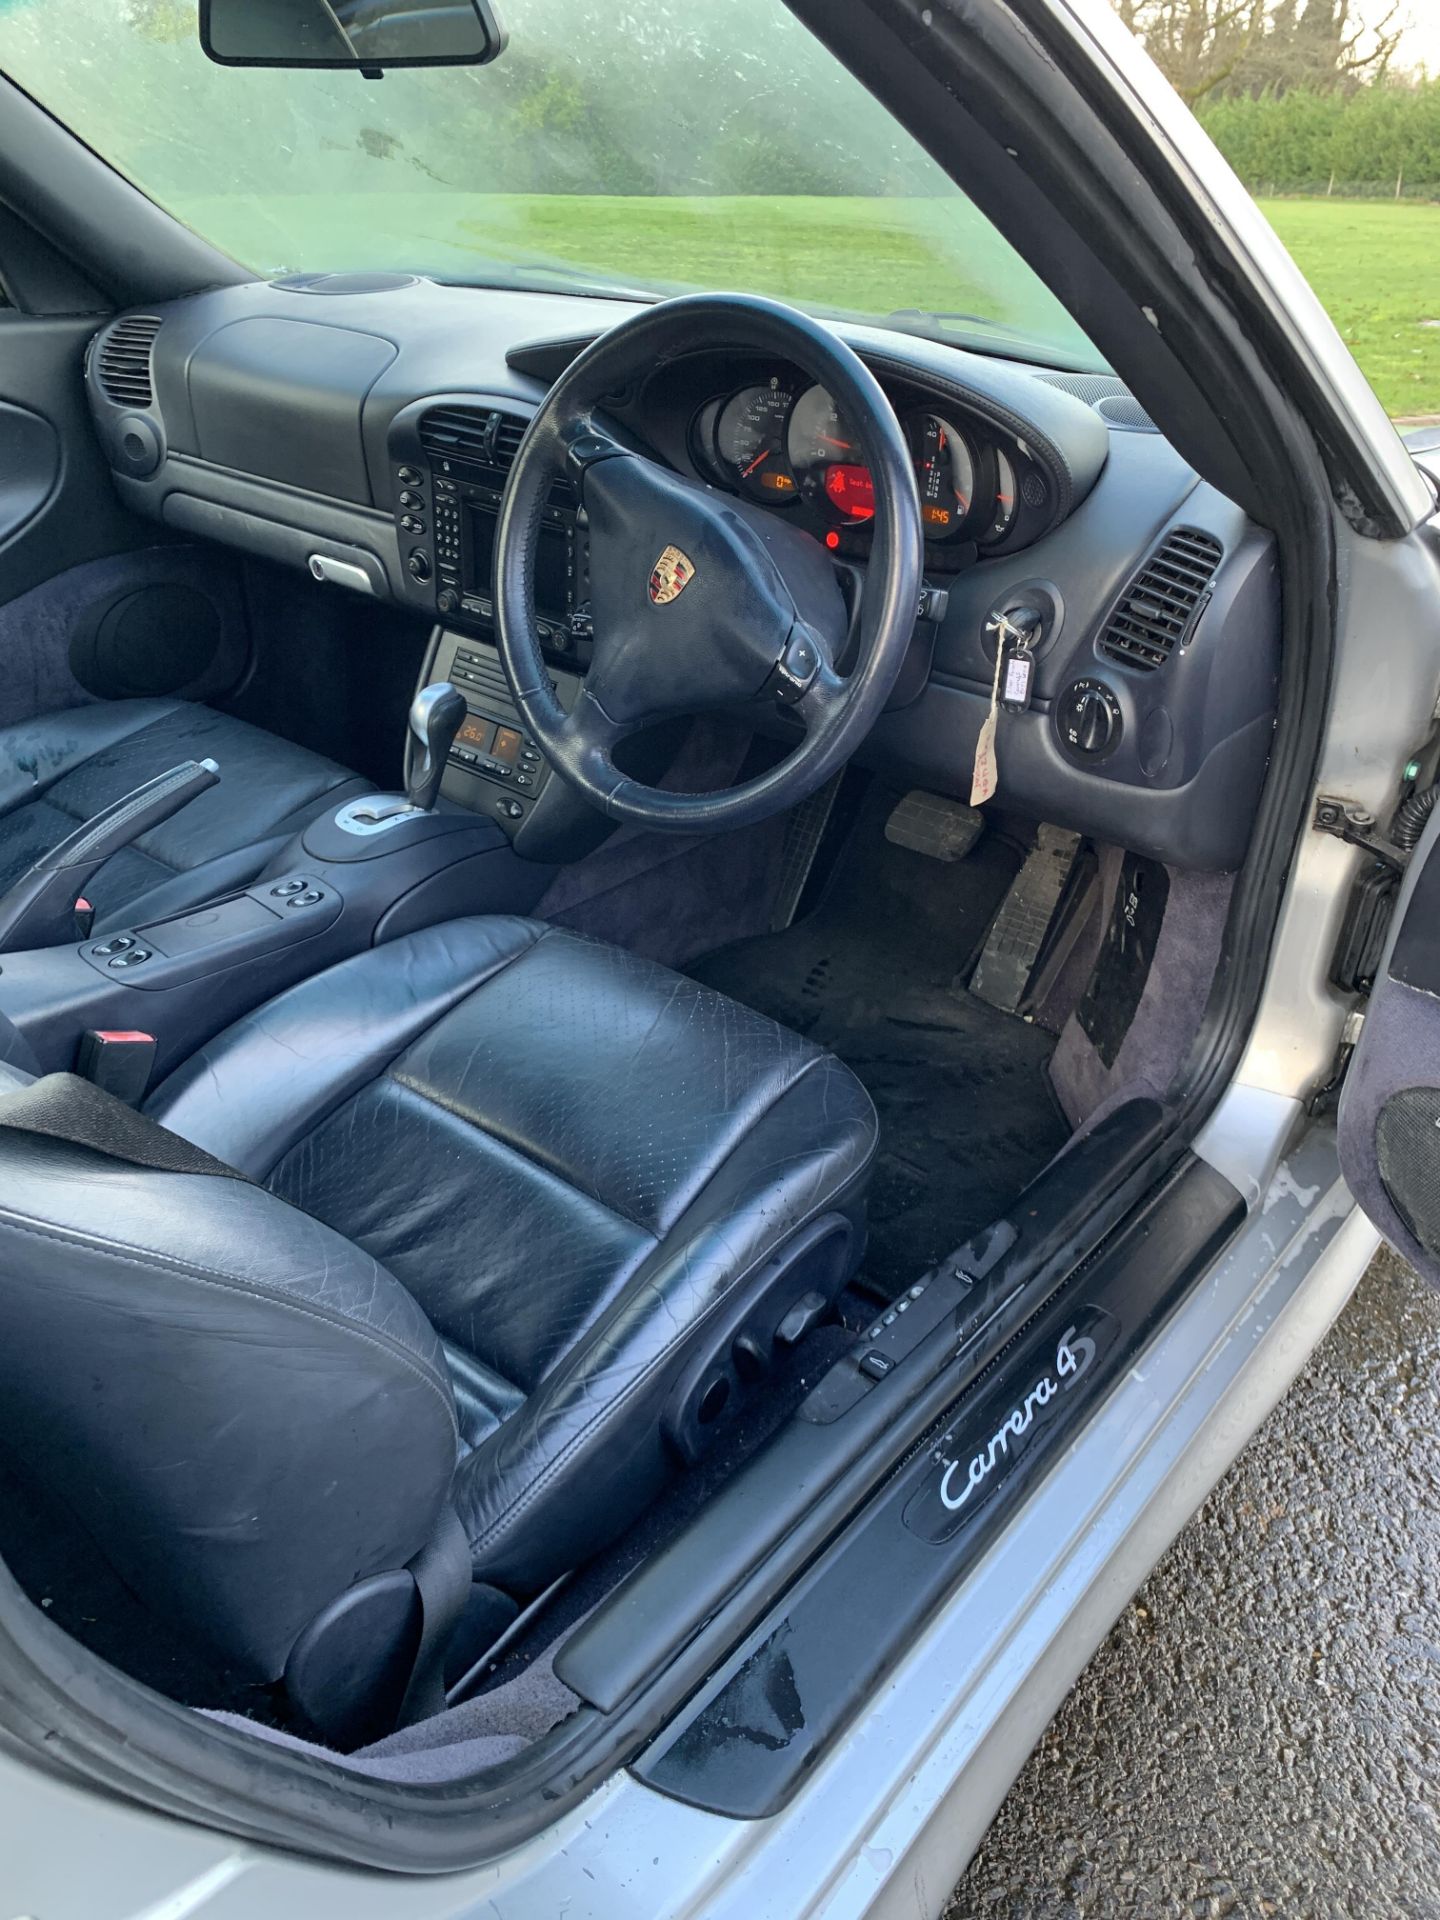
[{"x": 1260, "y": 1733}]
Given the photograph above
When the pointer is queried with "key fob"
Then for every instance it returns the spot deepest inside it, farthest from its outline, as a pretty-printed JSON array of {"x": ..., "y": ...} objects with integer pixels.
[{"x": 1017, "y": 682}]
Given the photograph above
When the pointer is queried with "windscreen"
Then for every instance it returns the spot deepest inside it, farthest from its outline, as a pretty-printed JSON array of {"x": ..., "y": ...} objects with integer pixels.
[{"x": 653, "y": 146}]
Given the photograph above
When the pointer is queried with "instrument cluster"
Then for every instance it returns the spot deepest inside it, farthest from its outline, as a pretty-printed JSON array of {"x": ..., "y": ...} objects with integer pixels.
[{"x": 786, "y": 444}]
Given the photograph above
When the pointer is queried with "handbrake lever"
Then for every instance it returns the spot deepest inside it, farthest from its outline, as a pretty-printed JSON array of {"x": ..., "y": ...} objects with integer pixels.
[{"x": 39, "y": 910}]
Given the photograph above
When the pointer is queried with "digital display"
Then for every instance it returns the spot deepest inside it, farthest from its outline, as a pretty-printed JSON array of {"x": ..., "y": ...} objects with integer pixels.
[
  {"x": 506, "y": 745},
  {"x": 474, "y": 732},
  {"x": 552, "y": 595},
  {"x": 850, "y": 490}
]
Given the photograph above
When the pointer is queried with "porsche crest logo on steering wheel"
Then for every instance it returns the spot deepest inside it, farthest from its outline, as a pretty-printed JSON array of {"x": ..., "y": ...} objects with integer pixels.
[{"x": 670, "y": 576}]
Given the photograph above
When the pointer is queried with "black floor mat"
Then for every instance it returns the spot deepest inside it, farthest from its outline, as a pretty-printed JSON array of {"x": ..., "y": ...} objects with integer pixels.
[{"x": 967, "y": 1116}]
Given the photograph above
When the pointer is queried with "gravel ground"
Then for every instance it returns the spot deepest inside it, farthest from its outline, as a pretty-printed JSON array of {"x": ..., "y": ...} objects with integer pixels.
[{"x": 1260, "y": 1733}]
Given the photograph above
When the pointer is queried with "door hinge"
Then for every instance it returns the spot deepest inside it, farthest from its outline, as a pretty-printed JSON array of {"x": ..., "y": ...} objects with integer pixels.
[{"x": 1357, "y": 826}]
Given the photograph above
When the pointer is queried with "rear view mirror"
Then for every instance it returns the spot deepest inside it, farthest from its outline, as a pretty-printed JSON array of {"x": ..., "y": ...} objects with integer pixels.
[{"x": 367, "y": 34}]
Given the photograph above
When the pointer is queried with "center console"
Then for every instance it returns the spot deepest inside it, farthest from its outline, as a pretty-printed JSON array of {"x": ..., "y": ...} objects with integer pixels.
[
  {"x": 448, "y": 459},
  {"x": 330, "y": 893},
  {"x": 448, "y": 464}
]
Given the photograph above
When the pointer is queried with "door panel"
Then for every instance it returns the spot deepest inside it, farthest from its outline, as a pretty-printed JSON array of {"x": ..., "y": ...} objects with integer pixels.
[
  {"x": 58, "y": 506},
  {"x": 1390, "y": 1107},
  {"x": 29, "y": 467}
]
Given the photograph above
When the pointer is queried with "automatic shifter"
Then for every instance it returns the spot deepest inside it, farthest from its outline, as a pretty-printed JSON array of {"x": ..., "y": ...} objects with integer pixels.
[{"x": 437, "y": 714}]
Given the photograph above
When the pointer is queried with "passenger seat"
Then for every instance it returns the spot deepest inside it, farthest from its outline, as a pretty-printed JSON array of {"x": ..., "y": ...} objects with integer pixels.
[{"x": 63, "y": 768}]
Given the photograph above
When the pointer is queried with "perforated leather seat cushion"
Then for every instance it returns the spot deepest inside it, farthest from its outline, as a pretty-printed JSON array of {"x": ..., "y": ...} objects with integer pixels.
[{"x": 567, "y": 1155}]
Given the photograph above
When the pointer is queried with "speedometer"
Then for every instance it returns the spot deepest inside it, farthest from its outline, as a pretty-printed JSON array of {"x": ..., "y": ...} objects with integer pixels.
[
  {"x": 750, "y": 442},
  {"x": 944, "y": 474}
]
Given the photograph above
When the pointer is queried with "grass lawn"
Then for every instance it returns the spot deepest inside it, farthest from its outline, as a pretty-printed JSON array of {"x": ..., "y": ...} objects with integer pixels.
[{"x": 1375, "y": 264}]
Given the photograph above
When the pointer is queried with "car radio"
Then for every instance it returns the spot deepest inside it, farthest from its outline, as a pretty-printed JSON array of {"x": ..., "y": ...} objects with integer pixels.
[{"x": 459, "y": 511}]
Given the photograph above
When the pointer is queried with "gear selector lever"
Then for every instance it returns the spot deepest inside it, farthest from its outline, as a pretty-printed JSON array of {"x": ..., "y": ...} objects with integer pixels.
[{"x": 437, "y": 714}]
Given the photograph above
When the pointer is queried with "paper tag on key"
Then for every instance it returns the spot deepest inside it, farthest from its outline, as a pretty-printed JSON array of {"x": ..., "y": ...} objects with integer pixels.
[
  {"x": 986, "y": 776},
  {"x": 1019, "y": 673}
]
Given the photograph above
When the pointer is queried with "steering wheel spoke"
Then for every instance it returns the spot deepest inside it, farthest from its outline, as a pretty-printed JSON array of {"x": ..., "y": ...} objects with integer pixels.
[
  {"x": 586, "y": 444},
  {"x": 822, "y": 699}
]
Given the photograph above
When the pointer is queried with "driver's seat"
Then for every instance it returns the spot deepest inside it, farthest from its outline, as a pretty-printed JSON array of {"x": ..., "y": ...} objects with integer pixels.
[{"x": 529, "y": 1216}]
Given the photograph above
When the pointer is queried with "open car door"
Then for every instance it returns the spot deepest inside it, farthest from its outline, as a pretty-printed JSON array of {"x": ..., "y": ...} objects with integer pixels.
[{"x": 1390, "y": 1107}]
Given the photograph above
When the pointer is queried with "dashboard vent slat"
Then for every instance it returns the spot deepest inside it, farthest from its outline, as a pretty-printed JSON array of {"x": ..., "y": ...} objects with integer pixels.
[
  {"x": 509, "y": 432},
  {"x": 459, "y": 433},
  {"x": 1162, "y": 604},
  {"x": 122, "y": 366},
  {"x": 483, "y": 437}
]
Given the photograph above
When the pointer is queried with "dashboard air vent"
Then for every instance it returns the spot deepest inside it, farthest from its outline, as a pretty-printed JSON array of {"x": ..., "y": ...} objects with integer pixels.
[
  {"x": 459, "y": 433},
  {"x": 509, "y": 432},
  {"x": 122, "y": 366},
  {"x": 1164, "y": 601}
]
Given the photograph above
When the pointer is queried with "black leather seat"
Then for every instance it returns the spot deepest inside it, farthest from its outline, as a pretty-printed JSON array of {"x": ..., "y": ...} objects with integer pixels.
[
  {"x": 62, "y": 768},
  {"x": 549, "y": 1206}
]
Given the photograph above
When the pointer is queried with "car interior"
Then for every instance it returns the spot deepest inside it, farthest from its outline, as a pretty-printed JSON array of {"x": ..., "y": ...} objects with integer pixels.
[
  {"x": 603, "y": 899},
  {"x": 507, "y": 1002}
]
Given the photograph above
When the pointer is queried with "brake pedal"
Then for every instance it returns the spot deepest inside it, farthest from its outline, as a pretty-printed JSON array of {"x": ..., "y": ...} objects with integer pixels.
[
  {"x": 1017, "y": 934},
  {"x": 931, "y": 824}
]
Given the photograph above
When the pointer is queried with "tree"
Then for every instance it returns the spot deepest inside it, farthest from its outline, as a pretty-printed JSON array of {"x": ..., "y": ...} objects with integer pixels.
[{"x": 1209, "y": 47}]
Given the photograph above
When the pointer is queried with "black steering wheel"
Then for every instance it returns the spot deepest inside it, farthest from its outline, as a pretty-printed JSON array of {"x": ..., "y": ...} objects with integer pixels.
[{"x": 700, "y": 600}]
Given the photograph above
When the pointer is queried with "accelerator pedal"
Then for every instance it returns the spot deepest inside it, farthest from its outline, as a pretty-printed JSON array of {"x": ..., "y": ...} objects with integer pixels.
[
  {"x": 1003, "y": 973},
  {"x": 931, "y": 824}
]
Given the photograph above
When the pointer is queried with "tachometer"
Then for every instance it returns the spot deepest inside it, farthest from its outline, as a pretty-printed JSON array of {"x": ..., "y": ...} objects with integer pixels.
[
  {"x": 1004, "y": 499},
  {"x": 826, "y": 458},
  {"x": 944, "y": 474},
  {"x": 750, "y": 442}
]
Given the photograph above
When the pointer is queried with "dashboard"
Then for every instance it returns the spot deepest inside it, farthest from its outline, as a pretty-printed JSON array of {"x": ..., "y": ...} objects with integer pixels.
[{"x": 362, "y": 426}]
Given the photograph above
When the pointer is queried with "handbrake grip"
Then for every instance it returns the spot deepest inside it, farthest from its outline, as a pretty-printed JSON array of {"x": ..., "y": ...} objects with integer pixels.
[{"x": 39, "y": 910}]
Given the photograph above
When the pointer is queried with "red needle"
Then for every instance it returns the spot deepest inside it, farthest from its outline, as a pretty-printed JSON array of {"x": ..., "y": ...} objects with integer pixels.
[
  {"x": 764, "y": 454},
  {"x": 845, "y": 446}
]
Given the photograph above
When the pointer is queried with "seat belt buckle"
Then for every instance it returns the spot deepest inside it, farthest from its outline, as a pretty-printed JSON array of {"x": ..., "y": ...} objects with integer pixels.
[
  {"x": 84, "y": 918},
  {"x": 119, "y": 1062}
]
